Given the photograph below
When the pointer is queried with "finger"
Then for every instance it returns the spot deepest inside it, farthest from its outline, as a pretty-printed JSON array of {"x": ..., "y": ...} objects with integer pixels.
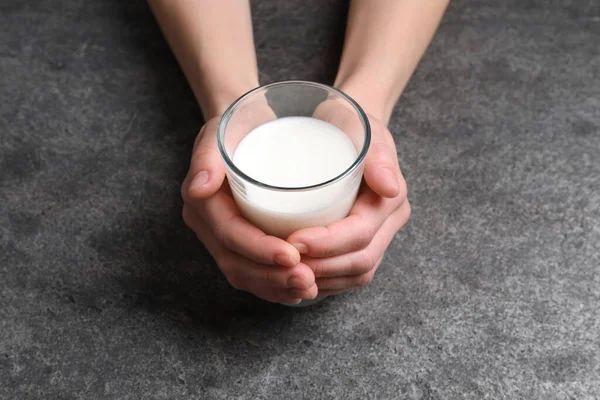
[
  {"x": 350, "y": 234},
  {"x": 244, "y": 274},
  {"x": 223, "y": 218},
  {"x": 343, "y": 283},
  {"x": 364, "y": 260},
  {"x": 207, "y": 172},
  {"x": 307, "y": 294},
  {"x": 346, "y": 282},
  {"x": 381, "y": 172},
  {"x": 276, "y": 295},
  {"x": 218, "y": 250},
  {"x": 287, "y": 296}
]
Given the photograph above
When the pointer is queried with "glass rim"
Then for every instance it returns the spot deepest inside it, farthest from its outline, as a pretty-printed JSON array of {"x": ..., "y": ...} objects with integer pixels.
[{"x": 233, "y": 107}]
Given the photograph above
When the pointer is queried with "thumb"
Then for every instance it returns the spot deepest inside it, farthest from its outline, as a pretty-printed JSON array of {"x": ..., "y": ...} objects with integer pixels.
[
  {"x": 381, "y": 168},
  {"x": 207, "y": 172}
]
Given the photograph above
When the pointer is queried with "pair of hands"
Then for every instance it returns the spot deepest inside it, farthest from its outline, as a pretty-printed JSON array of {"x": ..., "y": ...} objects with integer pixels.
[{"x": 319, "y": 261}]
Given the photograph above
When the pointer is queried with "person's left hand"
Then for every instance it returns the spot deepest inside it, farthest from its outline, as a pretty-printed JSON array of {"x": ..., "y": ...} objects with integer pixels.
[{"x": 346, "y": 254}]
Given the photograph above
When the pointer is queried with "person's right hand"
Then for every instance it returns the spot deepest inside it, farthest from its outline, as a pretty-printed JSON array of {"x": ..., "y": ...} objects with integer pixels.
[{"x": 251, "y": 260}]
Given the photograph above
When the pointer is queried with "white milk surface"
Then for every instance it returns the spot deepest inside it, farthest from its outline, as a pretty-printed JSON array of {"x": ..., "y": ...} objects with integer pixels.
[{"x": 295, "y": 152}]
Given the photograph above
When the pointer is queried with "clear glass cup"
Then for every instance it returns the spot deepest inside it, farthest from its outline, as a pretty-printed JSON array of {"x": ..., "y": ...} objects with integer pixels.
[
  {"x": 323, "y": 202},
  {"x": 282, "y": 210}
]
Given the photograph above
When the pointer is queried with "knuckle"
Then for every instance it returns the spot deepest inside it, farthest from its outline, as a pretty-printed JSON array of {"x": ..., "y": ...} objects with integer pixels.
[
  {"x": 318, "y": 266},
  {"x": 365, "y": 236},
  {"x": 270, "y": 276},
  {"x": 326, "y": 247},
  {"x": 327, "y": 251},
  {"x": 367, "y": 262},
  {"x": 261, "y": 247},
  {"x": 200, "y": 155}
]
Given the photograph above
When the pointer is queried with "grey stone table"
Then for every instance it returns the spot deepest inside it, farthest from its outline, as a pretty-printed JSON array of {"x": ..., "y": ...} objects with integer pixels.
[{"x": 491, "y": 291}]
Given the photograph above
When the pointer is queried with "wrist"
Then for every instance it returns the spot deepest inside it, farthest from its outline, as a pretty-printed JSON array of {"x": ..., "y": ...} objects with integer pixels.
[
  {"x": 219, "y": 95},
  {"x": 371, "y": 98}
]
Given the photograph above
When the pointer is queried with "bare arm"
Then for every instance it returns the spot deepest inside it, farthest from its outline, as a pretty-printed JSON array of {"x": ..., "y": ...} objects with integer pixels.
[
  {"x": 385, "y": 40},
  {"x": 212, "y": 40},
  {"x": 214, "y": 45}
]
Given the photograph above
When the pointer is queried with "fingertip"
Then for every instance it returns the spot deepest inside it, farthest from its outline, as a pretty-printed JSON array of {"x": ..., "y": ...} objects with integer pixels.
[
  {"x": 312, "y": 292},
  {"x": 302, "y": 277},
  {"x": 297, "y": 282},
  {"x": 285, "y": 254},
  {"x": 383, "y": 181},
  {"x": 303, "y": 239},
  {"x": 296, "y": 241},
  {"x": 287, "y": 259},
  {"x": 204, "y": 184},
  {"x": 199, "y": 181},
  {"x": 300, "y": 247},
  {"x": 306, "y": 294}
]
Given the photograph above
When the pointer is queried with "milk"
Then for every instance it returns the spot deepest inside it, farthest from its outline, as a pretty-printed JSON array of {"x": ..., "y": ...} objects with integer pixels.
[{"x": 294, "y": 152}]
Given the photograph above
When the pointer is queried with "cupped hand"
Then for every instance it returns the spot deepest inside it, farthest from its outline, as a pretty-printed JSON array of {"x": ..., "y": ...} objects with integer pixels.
[
  {"x": 263, "y": 265},
  {"x": 346, "y": 254}
]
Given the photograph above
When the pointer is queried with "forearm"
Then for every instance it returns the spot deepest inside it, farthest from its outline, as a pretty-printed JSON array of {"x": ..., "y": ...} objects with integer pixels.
[
  {"x": 385, "y": 39},
  {"x": 213, "y": 43}
]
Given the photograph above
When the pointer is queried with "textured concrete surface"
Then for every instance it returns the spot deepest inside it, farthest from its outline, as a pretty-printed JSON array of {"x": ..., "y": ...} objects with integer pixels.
[{"x": 492, "y": 291}]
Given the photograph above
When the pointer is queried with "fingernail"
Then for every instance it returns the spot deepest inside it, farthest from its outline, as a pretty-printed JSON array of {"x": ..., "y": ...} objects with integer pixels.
[
  {"x": 284, "y": 259},
  {"x": 297, "y": 282},
  {"x": 301, "y": 247},
  {"x": 199, "y": 180}
]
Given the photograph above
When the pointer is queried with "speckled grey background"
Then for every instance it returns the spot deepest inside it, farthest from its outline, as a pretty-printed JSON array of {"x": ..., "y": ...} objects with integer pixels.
[{"x": 492, "y": 291}]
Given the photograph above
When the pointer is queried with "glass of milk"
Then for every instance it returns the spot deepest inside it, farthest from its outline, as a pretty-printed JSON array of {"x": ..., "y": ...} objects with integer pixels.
[{"x": 294, "y": 154}]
